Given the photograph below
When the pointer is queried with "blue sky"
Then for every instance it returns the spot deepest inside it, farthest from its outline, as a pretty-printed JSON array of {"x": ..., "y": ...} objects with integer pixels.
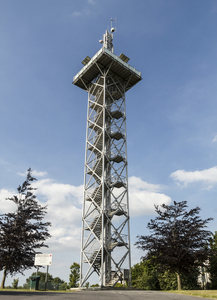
[{"x": 171, "y": 113}]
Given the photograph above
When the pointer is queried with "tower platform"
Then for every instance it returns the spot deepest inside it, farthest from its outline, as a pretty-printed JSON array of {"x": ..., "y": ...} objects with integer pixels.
[{"x": 106, "y": 59}]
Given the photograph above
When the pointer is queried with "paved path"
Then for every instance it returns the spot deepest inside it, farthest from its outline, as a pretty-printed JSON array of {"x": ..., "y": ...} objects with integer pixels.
[{"x": 94, "y": 295}]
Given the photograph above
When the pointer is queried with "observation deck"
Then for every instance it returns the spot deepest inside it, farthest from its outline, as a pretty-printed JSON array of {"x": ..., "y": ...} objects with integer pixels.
[{"x": 104, "y": 59}]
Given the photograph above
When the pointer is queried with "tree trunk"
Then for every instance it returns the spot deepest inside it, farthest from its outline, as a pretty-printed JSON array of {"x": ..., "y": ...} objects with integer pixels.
[
  {"x": 4, "y": 277},
  {"x": 179, "y": 281}
]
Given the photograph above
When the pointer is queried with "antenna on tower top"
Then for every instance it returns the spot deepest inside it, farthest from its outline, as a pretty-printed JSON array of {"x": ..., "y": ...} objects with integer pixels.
[
  {"x": 108, "y": 38},
  {"x": 112, "y": 28}
]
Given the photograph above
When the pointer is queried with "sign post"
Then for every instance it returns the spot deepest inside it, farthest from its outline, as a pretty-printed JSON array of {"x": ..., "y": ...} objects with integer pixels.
[{"x": 43, "y": 260}]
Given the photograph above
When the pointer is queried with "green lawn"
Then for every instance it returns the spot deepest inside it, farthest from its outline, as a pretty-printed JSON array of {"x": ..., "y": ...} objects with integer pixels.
[
  {"x": 212, "y": 294},
  {"x": 24, "y": 290}
]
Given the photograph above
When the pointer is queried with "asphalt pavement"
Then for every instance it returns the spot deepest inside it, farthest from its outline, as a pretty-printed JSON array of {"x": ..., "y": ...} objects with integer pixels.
[{"x": 95, "y": 295}]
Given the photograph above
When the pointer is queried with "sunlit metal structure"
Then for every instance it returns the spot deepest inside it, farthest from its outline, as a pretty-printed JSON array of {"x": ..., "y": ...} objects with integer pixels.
[{"x": 105, "y": 224}]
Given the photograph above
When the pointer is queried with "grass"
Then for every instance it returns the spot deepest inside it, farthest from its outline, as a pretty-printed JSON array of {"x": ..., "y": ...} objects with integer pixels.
[
  {"x": 25, "y": 290},
  {"x": 212, "y": 294}
]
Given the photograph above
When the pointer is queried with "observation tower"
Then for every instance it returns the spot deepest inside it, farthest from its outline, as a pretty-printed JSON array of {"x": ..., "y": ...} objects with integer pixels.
[{"x": 105, "y": 248}]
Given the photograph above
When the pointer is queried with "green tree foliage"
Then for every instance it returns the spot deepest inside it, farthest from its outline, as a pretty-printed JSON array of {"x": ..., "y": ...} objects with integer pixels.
[
  {"x": 119, "y": 285},
  {"x": 190, "y": 280},
  {"x": 43, "y": 276},
  {"x": 23, "y": 232},
  {"x": 87, "y": 284},
  {"x": 58, "y": 280},
  {"x": 145, "y": 276},
  {"x": 57, "y": 283},
  {"x": 94, "y": 285},
  {"x": 212, "y": 268},
  {"x": 15, "y": 283},
  {"x": 74, "y": 275},
  {"x": 63, "y": 286},
  {"x": 178, "y": 240},
  {"x": 168, "y": 280}
]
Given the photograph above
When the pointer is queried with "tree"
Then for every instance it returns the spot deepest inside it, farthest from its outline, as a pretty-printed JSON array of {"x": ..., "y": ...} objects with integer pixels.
[
  {"x": 145, "y": 276},
  {"x": 212, "y": 267},
  {"x": 15, "y": 283},
  {"x": 22, "y": 233},
  {"x": 74, "y": 275},
  {"x": 42, "y": 276},
  {"x": 94, "y": 285},
  {"x": 63, "y": 286},
  {"x": 178, "y": 241},
  {"x": 168, "y": 280},
  {"x": 58, "y": 280},
  {"x": 57, "y": 283}
]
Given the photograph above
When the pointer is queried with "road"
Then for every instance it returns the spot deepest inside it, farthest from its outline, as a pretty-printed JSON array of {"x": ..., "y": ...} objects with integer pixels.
[{"x": 93, "y": 295}]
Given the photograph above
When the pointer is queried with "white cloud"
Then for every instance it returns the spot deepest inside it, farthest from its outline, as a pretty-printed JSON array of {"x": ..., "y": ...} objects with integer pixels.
[
  {"x": 34, "y": 174},
  {"x": 82, "y": 13},
  {"x": 76, "y": 14},
  {"x": 38, "y": 174},
  {"x": 21, "y": 174},
  {"x": 64, "y": 203},
  {"x": 57, "y": 193},
  {"x": 91, "y": 2},
  {"x": 137, "y": 183},
  {"x": 3, "y": 162},
  {"x": 143, "y": 196},
  {"x": 214, "y": 139},
  {"x": 6, "y": 205},
  {"x": 207, "y": 176}
]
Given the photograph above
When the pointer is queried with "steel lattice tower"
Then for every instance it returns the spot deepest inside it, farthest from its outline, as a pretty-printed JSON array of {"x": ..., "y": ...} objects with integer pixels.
[{"x": 105, "y": 224}]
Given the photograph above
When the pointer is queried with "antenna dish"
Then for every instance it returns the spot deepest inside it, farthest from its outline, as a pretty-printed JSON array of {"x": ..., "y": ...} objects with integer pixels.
[
  {"x": 112, "y": 29},
  {"x": 101, "y": 41}
]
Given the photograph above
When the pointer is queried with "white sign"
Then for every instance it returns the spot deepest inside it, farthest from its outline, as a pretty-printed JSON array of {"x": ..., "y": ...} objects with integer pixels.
[{"x": 43, "y": 259}]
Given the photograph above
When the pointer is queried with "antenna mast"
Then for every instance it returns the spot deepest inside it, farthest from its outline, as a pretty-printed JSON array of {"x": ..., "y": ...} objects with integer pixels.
[
  {"x": 111, "y": 22},
  {"x": 108, "y": 38}
]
